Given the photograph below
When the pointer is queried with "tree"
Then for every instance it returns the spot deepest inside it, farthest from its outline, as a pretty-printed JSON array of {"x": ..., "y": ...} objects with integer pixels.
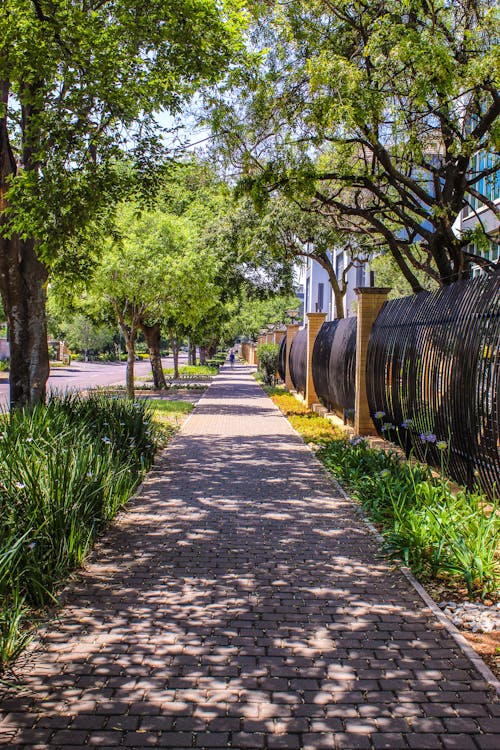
[
  {"x": 225, "y": 233},
  {"x": 83, "y": 335},
  {"x": 247, "y": 316},
  {"x": 152, "y": 275},
  {"x": 79, "y": 83},
  {"x": 290, "y": 232},
  {"x": 372, "y": 112}
]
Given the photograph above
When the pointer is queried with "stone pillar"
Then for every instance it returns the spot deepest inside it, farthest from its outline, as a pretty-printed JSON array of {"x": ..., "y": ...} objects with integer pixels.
[
  {"x": 314, "y": 323},
  {"x": 370, "y": 301},
  {"x": 291, "y": 331}
]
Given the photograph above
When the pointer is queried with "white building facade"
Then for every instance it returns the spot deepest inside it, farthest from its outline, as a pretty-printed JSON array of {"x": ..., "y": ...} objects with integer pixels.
[{"x": 315, "y": 289}]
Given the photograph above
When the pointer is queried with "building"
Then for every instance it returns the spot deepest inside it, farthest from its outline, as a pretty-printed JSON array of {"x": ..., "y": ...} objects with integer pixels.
[
  {"x": 476, "y": 213},
  {"x": 315, "y": 289}
]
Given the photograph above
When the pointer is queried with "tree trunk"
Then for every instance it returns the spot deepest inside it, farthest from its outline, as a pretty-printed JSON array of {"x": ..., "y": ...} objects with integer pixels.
[
  {"x": 23, "y": 284},
  {"x": 175, "y": 355},
  {"x": 192, "y": 350},
  {"x": 203, "y": 355},
  {"x": 152, "y": 335},
  {"x": 130, "y": 342},
  {"x": 338, "y": 292}
]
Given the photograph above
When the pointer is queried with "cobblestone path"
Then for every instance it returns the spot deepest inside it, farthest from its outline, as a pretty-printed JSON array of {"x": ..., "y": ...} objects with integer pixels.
[{"x": 240, "y": 603}]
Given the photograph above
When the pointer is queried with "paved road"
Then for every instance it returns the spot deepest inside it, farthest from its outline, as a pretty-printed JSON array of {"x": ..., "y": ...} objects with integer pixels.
[
  {"x": 81, "y": 375},
  {"x": 240, "y": 603}
]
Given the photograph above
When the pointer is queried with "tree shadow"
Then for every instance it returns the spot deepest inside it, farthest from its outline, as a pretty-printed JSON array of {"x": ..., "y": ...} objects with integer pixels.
[{"x": 238, "y": 602}]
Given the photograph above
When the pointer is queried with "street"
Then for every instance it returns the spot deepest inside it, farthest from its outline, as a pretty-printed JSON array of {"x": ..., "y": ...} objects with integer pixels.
[{"x": 81, "y": 375}]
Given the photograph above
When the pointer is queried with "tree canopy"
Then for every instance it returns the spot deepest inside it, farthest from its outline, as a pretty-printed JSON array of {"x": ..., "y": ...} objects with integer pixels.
[
  {"x": 80, "y": 83},
  {"x": 372, "y": 113}
]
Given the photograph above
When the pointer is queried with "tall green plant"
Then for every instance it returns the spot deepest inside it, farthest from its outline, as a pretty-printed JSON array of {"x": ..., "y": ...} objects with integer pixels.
[
  {"x": 268, "y": 356},
  {"x": 437, "y": 532},
  {"x": 66, "y": 469}
]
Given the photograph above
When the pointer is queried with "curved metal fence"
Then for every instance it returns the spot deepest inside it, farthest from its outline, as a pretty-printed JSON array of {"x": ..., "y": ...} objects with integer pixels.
[
  {"x": 334, "y": 365},
  {"x": 298, "y": 360},
  {"x": 433, "y": 369},
  {"x": 282, "y": 359}
]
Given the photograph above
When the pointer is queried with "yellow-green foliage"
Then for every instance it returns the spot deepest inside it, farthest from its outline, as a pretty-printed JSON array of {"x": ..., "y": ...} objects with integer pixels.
[
  {"x": 288, "y": 404},
  {"x": 315, "y": 429}
]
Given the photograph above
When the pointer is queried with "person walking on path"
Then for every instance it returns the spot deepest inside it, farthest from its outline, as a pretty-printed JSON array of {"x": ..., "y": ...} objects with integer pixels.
[
  {"x": 240, "y": 602},
  {"x": 232, "y": 357}
]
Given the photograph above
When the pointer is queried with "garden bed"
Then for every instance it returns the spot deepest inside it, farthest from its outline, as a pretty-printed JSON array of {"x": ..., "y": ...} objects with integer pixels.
[{"x": 66, "y": 468}]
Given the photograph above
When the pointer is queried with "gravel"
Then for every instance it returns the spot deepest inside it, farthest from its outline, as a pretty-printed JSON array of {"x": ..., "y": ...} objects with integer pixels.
[{"x": 478, "y": 618}]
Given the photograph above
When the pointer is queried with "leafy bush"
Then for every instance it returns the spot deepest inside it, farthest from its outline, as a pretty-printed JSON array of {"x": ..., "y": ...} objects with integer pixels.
[
  {"x": 4, "y": 365},
  {"x": 66, "y": 469},
  {"x": 268, "y": 356},
  {"x": 437, "y": 532}
]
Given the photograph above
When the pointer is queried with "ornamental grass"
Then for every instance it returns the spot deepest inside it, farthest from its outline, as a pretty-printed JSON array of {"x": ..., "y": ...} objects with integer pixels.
[
  {"x": 440, "y": 533},
  {"x": 65, "y": 470}
]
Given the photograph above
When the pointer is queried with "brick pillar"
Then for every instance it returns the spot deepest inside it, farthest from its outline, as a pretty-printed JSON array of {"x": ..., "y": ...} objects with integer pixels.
[
  {"x": 370, "y": 301},
  {"x": 279, "y": 336},
  {"x": 314, "y": 323},
  {"x": 291, "y": 331}
]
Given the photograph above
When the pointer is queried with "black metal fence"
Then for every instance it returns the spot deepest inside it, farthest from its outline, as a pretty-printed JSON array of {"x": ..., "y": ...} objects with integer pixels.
[
  {"x": 433, "y": 370},
  {"x": 298, "y": 360},
  {"x": 282, "y": 359},
  {"x": 334, "y": 365}
]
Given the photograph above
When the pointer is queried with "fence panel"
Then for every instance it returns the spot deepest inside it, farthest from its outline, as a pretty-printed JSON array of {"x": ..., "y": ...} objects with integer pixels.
[
  {"x": 433, "y": 369},
  {"x": 298, "y": 360},
  {"x": 334, "y": 365},
  {"x": 282, "y": 359}
]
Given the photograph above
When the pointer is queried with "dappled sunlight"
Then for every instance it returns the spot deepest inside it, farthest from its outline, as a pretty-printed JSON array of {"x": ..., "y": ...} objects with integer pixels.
[{"x": 238, "y": 596}]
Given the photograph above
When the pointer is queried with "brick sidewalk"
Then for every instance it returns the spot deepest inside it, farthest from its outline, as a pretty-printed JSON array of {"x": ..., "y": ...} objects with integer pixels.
[{"x": 241, "y": 603}]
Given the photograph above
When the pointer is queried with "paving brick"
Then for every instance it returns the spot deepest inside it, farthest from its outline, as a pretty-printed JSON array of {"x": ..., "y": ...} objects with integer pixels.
[
  {"x": 239, "y": 602},
  {"x": 388, "y": 741},
  {"x": 252, "y": 741},
  {"x": 458, "y": 742}
]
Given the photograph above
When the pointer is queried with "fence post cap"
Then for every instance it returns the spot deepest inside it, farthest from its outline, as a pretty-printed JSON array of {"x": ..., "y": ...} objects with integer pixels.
[
  {"x": 372, "y": 290},
  {"x": 316, "y": 315}
]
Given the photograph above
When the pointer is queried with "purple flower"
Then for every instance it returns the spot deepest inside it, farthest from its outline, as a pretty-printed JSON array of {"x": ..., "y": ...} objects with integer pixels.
[
  {"x": 356, "y": 440},
  {"x": 379, "y": 415},
  {"x": 407, "y": 424},
  {"x": 428, "y": 437},
  {"x": 387, "y": 426}
]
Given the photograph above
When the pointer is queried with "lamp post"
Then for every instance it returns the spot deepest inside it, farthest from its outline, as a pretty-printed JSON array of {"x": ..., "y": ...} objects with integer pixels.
[{"x": 292, "y": 314}]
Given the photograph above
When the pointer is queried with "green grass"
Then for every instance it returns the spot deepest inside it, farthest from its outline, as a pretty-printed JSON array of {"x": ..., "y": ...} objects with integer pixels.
[
  {"x": 171, "y": 407},
  {"x": 65, "y": 470},
  {"x": 193, "y": 370}
]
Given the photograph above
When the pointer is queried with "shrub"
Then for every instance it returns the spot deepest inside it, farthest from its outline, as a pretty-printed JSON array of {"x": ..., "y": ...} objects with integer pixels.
[
  {"x": 268, "y": 356},
  {"x": 66, "y": 468}
]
